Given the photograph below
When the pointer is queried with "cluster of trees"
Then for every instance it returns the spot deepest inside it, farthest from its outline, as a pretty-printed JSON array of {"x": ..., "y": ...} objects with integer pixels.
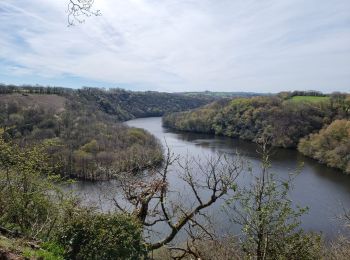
[
  {"x": 310, "y": 93},
  {"x": 283, "y": 121},
  {"x": 330, "y": 146},
  {"x": 82, "y": 142}
]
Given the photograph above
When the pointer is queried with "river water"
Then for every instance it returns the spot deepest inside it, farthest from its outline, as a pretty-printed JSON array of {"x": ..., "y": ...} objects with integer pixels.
[{"x": 324, "y": 190}]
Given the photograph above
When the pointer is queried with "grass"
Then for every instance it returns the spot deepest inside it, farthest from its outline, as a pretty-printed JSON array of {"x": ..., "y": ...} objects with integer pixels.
[
  {"x": 20, "y": 248},
  {"x": 311, "y": 99}
]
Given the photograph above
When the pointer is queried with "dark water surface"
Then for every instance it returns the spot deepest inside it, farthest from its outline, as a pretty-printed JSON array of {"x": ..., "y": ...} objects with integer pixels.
[{"x": 326, "y": 191}]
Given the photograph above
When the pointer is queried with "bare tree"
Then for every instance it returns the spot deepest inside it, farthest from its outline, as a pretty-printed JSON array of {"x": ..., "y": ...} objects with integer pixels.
[
  {"x": 78, "y": 10},
  {"x": 151, "y": 201}
]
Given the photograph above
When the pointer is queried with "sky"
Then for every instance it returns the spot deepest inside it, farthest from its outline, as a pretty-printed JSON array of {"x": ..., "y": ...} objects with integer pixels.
[{"x": 179, "y": 45}]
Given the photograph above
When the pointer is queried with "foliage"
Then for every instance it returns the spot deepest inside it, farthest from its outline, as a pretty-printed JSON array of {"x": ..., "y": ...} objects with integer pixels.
[
  {"x": 330, "y": 146},
  {"x": 11, "y": 248},
  {"x": 48, "y": 251},
  {"x": 199, "y": 120},
  {"x": 27, "y": 192},
  {"x": 85, "y": 234},
  {"x": 270, "y": 225}
]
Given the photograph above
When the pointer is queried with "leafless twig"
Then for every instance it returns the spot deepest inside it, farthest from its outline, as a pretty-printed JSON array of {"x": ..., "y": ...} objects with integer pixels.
[{"x": 79, "y": 9}]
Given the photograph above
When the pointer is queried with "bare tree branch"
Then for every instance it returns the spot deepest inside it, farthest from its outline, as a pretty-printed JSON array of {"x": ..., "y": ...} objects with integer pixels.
[
  {"x": 150, "y": 197},
  {"x": 79, "y": 9}
]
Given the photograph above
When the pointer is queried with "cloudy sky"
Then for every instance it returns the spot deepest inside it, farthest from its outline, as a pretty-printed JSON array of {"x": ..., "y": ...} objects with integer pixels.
[{"x": 179, "y": 45}]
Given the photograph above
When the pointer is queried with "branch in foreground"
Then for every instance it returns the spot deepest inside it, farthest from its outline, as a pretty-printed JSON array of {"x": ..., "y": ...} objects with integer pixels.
[
  {"x": 207, "y": 182},
  {"x": 78, "y": 10}
]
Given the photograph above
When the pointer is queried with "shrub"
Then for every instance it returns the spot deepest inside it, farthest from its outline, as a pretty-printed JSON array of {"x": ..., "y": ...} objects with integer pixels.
[{"x": 86, "y": 234}]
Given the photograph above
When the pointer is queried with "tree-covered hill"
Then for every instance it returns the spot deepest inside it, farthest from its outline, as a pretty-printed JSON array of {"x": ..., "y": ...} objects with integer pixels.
[
  {"x": 82, "y": 129},
  {"x": 81, "y": 141},
  {"x": 283, "y": 119},
  {"x": 121, "y": 103}
]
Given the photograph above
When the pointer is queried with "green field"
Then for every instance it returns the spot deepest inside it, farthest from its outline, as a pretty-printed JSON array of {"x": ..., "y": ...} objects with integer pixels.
[{"x": 312, "y": 99}]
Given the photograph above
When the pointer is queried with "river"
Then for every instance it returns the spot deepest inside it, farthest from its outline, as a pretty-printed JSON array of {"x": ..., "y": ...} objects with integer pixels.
[{"x": 324, "y": 190}]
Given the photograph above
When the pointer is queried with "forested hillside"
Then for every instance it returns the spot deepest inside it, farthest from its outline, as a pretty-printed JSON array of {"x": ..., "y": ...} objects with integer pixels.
[
  {"x": 121, "y": 103},
  {"x": 283, "y": 119},
  {"x": 82, "y": 128},
  {"x": 81, "y": 141}
]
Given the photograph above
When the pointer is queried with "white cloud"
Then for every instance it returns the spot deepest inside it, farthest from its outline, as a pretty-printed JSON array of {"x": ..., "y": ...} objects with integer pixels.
[{"x": 176, "y": 45}]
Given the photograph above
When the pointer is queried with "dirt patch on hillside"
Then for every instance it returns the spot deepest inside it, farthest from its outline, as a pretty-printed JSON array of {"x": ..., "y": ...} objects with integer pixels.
[{"x": 49, "y": 102}]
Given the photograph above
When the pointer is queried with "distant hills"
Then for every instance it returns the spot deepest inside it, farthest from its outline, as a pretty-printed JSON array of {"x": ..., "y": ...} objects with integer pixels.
[{"x": 120, "y": 103}]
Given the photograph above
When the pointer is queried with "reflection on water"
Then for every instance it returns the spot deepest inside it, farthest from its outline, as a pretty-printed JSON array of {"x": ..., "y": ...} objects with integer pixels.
[{"x": 326, "y": 191}]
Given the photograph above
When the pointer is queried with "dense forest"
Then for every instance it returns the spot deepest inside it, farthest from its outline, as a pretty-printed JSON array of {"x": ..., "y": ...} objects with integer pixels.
[
  {"x": 82, "y": 128},
  {"x": 283, "y": 119}
]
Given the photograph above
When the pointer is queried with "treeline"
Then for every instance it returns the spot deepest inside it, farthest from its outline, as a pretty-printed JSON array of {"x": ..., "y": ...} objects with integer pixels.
[
  {"x": 32, "y": 89},
  {"x": 311, "y": 93},
  {"x": 82, "y": 142},
  {"x": 281, "y": 119},
  {"x": 220, "y": 95}
]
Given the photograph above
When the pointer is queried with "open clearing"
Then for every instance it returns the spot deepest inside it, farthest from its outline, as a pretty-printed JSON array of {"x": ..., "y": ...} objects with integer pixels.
[{"x": 313, "y": 99}]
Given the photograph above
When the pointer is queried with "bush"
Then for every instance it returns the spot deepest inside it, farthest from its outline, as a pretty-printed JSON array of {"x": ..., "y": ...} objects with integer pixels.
[{"x": 86, "y": 234}]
